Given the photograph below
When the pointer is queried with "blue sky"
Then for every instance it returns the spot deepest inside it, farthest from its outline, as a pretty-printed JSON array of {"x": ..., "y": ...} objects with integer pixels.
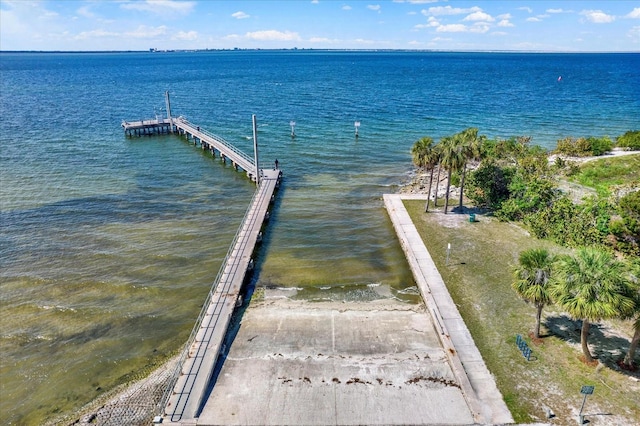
[{"x": 321, "y": 24}]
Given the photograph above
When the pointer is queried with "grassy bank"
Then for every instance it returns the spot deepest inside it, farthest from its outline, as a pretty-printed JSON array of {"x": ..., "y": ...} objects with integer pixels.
[
  {"x": 606, "y": 173},
  {"x": 478, "y": 276}
]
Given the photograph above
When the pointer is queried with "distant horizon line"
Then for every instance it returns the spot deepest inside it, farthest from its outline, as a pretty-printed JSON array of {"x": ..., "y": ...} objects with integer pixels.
[{"x": 298, "y": 49}]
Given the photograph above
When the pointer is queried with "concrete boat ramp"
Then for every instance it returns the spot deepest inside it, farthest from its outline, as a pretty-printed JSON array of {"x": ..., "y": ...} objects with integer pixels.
[{"x": 364, "y": 363}]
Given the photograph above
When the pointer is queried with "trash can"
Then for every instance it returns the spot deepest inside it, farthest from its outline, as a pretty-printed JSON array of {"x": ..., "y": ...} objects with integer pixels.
[{"x": 472, "y": 217}]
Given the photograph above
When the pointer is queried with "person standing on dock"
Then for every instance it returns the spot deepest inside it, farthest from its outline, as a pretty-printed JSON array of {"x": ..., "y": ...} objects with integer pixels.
[{"x": 276, "y": 168}]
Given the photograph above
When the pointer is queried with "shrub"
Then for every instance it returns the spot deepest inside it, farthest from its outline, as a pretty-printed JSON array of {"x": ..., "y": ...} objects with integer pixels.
[
  {"x": 488, "y": 185},
  {"x": 584, "y": 147},
  {"x": 570, "y": 224},
  {"x": 528, "y": 194},
  {"x": 626, "y": 228},
  {"x": 630, "y": 139}
]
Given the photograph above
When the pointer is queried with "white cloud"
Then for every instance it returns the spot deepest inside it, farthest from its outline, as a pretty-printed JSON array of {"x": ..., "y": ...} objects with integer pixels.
[
  {"x": 533, "y": 19},
  {"x": 144, "y": 31},
  {"x": 85, "y": 35},
  {"x": 85, "y": 11},
  {"x": 452, "y": 28},
  {"x": 479, "y": 16},
  {"x": 374, "y": 7},
  {"x": 346, "y": 7},
  {"x": 161, "y": 7},
  {"x": 240, "y": 15},
  {"x": 634, "y": 33},
  {"x": 186, "y": 36},
  {"x": 505, "y": 16},
  {"x": 526, "y": 9},
  {"x": 273, "y": 35},
  {"x": 554, "y": 10},
  {"x": 479, "y": 27},
  {"x": 431, "y": 22},
  {"x": 448, "y": 10},
  {"x": 598, "y": 16},
  {"x": 323, "y": 40},
  {"x": 505, "y": 23},
  {"x": 634, "y": 14}
]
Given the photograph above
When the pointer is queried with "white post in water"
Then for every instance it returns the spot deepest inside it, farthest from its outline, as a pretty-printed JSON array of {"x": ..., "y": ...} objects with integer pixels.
[
  {"x": 166, "y": 98},
  {"x": 356, "y": 124},
  {"x": 255, "y": 148}
]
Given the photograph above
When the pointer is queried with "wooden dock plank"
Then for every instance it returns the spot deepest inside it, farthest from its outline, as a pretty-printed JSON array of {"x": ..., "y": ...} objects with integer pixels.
[{"x": 190, "y": 389}]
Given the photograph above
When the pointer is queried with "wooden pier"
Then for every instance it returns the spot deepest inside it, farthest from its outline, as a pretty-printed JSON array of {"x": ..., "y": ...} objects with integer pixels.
[
  {"x": 187, "y": 392},
  {"x": 213, "y": 143},
  {"x": 204, "y": 346}
]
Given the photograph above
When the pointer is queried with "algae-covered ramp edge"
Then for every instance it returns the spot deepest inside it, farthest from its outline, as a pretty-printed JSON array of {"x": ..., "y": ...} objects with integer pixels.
[{"x": 481, "y": 393}]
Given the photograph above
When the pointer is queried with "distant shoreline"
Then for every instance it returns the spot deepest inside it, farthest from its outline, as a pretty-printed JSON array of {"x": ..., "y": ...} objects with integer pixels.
[{"x": 525, "y": 52}]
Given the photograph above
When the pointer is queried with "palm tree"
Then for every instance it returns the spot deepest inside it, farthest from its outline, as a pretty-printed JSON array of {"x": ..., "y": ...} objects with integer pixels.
[
  {"x": 628, "y": 358},
  {"x": 452, "y": 159},
  {"x": 472, "y": 150},
  {"x": 426, "y": 155},
  {"x": 437, "y": 152},
  {"x": 432, "y": 159},
  {"x": 532, "y": 277},
  {"x": 635, "y": 277},
  {"x": 592, "y": 286}
]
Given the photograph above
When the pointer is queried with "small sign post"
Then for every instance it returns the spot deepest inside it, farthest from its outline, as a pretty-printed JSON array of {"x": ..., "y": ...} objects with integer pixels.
[
  {"x": 446, "y": 262},
  {"x": 585, "y": 390}
]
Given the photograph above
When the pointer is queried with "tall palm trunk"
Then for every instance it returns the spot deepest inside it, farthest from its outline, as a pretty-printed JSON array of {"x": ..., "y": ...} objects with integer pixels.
[
  {"x": 435, "y": 196},
  {"x": 464, "y": 172},
  {"x": 426, "y": 206},
  {"x": 446, "y": 197},
  {"x": 584, "y": 334},
  {"x": 628, "y": 358},
  {"x": 536, "y": 332}
]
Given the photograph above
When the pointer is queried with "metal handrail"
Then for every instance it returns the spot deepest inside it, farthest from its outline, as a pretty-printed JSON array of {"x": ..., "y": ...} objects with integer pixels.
[
  {"x": 185, "y": 352},
  {"x": 218, "y": 139}
]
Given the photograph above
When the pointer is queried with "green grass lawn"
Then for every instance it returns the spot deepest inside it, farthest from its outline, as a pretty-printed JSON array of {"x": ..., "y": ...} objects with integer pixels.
[
  {"x": 478, "y": 276},
  {"x": 604, "y": 173}
]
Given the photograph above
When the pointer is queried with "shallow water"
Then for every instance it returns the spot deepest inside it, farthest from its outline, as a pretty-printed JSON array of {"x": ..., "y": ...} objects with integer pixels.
[{"x": 109, "y": 244}]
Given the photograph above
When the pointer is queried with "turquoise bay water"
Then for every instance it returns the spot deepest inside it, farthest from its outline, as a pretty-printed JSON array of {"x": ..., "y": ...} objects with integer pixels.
[{"x": 109, "y": 244}]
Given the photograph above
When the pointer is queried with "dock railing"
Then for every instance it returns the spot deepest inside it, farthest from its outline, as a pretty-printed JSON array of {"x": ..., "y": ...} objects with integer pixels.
[
  {"x": 195, "y": 129},
  {"x": 185, "y": 352}
]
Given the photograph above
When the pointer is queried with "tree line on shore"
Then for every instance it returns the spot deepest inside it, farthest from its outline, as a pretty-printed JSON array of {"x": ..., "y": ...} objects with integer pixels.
[{"x": 515, "y": 181}]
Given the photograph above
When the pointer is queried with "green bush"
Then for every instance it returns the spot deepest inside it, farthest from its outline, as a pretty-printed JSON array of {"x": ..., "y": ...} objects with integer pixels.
[
  {"x": 571, "y": 224},
  {"x": 488, "y": 185},
  {"x": 528, "y": 194},
  {"x": 626, "y": 229},
  {"x": 630, "y": 139},
  {"x": 584, "y": 147},
  {"x": 600, "y": 146}
]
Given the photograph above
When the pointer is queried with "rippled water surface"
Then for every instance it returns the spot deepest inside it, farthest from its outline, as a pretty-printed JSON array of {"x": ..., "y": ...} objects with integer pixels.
[{"x": 109, "y": 244}]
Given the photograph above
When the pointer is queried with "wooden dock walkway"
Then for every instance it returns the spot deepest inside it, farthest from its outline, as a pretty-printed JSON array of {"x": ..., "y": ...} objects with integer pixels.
[
  {"x": 209, "y": 141},
  {"x": 198, "y": 363},
  {"x": 187, "y": 392}
]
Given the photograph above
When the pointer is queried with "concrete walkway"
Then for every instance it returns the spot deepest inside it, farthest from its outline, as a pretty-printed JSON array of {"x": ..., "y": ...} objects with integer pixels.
[{"x": 479, "y": 388}]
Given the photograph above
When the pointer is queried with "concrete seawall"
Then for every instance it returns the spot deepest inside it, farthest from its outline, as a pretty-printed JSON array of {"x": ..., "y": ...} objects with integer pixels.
[{"x": 479, "y": 388}]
